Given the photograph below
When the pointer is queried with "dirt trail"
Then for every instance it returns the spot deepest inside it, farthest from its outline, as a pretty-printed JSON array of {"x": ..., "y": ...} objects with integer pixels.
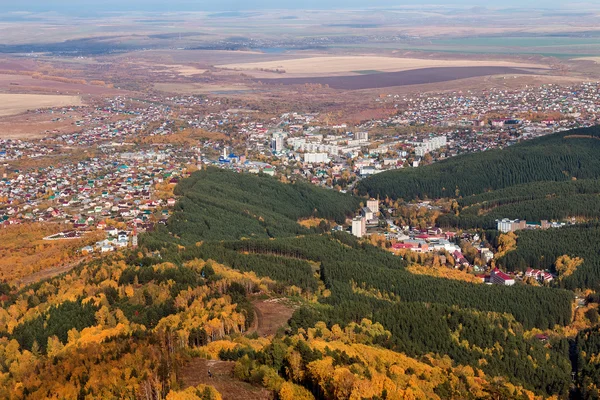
[
  {"x": 47, "y": 273},
  {"x": 269, "y": 316},
  {"x": 196, "y": 372}
]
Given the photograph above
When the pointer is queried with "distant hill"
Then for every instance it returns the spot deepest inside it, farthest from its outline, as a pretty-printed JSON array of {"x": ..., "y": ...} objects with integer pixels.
[{"x": 557, "y": 157}]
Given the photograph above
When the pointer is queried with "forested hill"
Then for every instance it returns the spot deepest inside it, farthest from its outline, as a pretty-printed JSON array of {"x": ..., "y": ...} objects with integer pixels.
[
  {"x": 480, "y": 326},
  {"x": 557, "y": 157},
  {"x": 217, "y": 204}
]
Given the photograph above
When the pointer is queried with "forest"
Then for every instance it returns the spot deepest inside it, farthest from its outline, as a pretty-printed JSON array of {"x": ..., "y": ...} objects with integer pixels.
[
  {"x": 217, "y": 204},
  {"x": 587, "y": 365},
  {"x": 557, "y": 157},
  {"x": 459, "y": 319},
  {"x": 125, "y": 327},
  {"x": 477, "y": 325},
  {"x": 114, "y": 329},
  {"x": 541, "y": 248},
  {"x": 536, "y": 201}
]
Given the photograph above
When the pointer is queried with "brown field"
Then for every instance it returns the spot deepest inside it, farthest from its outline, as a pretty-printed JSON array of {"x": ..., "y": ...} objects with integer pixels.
[
  {"x": 271, "y": 315},
  {"x": 512, "y": 81},
  {"x": 24, "y": 83},
  {"x": 401, "y": 78},
  {"x": 13, "y": 104},
  {"x": 345, "y": 65},
  {"x": 34, "y": 125},
  {"x": 200, "y": 88},
  {"x": 175, "y": 69},
  {"x": 185, "y": 70}
]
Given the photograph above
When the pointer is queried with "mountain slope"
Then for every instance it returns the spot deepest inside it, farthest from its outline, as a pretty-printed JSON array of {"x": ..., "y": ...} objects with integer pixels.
[{"x": 558, "y": 157}]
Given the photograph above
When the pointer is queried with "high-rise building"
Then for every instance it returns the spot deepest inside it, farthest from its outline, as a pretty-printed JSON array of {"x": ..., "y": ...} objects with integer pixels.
[
  {"x": 362, "y": 136},
  {"x": 359, "y": 227},
  {"x": 277, "y": 143},
  {"x": 134, "y": 238},
  {"x": 373, "y": 205}
]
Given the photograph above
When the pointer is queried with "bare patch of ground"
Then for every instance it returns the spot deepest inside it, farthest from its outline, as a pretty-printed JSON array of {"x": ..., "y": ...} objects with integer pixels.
[
  {"x": 13, "y": 104},
  {"x": 271, "y": 315},
  {"x": 196, "y": 372},
  {"x": 38, "y": 125},
  {"x": 594, "y": 59},
  {"x": 48, "y": 273},
  {"x": 34, "y": 125}
]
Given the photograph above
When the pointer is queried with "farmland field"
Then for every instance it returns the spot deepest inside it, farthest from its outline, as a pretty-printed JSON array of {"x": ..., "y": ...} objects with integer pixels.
[
  {"x": 348, "y": 65},
  {"x": 401, "y": 78},
  {"x": 12, "y": 104}
]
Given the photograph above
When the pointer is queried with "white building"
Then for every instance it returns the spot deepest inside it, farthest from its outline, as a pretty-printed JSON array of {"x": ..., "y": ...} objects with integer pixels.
[
  {"x": 359, "y": 227},
  {"x": 362, "y": 136},
  {"x": 277, "y": 142},
  {"x": 373, "y": 205},
  {"x": 506, "y": 225},
  {"x": 367, "y": 213},
  {"x": 498, "y": 277},
  {"x": 316, "y": 158},
  {"x": 486, "y": 255},
  {"x": 366, "y": 171},
  {"x": 429, "y": 145}
]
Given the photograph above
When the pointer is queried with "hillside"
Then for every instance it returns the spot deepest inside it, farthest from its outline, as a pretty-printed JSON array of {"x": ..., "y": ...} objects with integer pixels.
[
  {"x": 533, "y": 201},
  {"x": 217, "y": 204},
  {"x": 187, "y": 300},
  {"x": 347, "y": 281},
  {"x": 557, "y": 157},
  {"x": 540, "y": 249},
  {"x": 118, "y": 330}
]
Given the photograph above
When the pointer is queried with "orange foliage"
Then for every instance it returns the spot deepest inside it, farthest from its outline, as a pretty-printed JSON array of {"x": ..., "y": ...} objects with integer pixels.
[
  {"x": 23, "y": 251},
  {"x": 443, "y": 272}
]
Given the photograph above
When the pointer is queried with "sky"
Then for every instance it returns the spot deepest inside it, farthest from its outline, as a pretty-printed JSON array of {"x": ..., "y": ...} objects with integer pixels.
[{"x": 86, "y": 6}]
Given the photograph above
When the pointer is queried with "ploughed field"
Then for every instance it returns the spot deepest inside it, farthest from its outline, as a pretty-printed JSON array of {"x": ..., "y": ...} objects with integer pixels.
[{"x": 401, "y": 78}]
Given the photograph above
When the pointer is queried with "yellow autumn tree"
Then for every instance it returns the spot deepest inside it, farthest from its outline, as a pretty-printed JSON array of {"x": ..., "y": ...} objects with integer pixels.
[
  {"x": 289, "y": 391},
  {"x": 200, "y": 392},
  {"x": 566, "y": 266},
  {"x": 506, "y": 243}
]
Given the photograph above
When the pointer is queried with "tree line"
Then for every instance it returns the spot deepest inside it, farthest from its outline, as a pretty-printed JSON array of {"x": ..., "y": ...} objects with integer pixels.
[{"x": 557, "y": 157}]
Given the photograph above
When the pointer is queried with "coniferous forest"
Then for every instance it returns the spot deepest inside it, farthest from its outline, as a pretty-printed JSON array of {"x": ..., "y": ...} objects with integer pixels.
[
  {"x": 557, "y": 157},
  {"x": 482, "y": 326},
  {"x": 217, "y": 204}
]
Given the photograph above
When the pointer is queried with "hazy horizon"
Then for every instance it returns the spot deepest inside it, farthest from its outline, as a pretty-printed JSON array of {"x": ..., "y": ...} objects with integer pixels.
[{"x": 86, "y": 6}]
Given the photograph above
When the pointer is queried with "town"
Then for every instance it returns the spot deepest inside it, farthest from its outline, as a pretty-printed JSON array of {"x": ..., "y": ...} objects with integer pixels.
[{"x": 116, "y": 169}]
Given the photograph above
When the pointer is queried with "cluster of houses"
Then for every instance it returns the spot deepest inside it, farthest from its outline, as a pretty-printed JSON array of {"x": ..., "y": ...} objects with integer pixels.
[
  {"x": 84, "y": 192},
  {"x": 432, "y": 240},
  {"x": 498, "y": 277},
  {"x": 578, "y": 105},
  {"x": 117, "y": 239},
  {"x": 539, "y": 275}
]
